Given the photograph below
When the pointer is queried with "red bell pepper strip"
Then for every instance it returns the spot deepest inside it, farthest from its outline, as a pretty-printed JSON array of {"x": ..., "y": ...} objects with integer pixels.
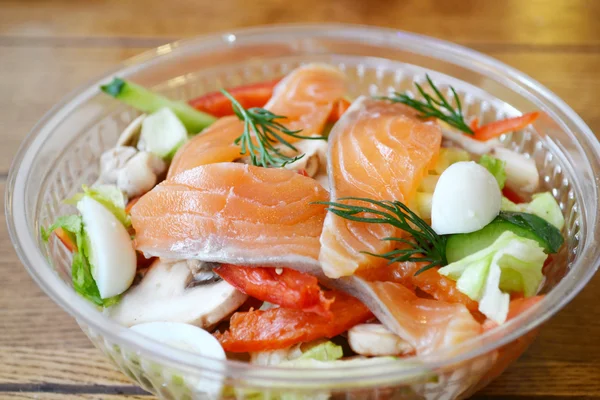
[
  {"x": 497, "y": 128},
  {"x": 511, "y": 195},
  {"x": 279, "y": 328},
  {"x": 290, "y": 289},
  {"x": 255, "y": 95},
  {"x": 65, "y": 239},
  {"x": 131, "y": 204},
  {"x": 474, "y": 125}
]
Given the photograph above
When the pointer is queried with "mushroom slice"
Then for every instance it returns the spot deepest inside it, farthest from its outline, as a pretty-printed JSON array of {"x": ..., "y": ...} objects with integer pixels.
[
  {"x": 315, "y": 156},
  {"x": 201, "y": 273},
  {"x": 131, "y": 134},
  {"x": 162, "y": 296},
  {"x": 377, "y": 340},
  {"x": 140, "y": 174},
  {"x": 521, "y": 172},
  {"x": 111, "y": 162}
]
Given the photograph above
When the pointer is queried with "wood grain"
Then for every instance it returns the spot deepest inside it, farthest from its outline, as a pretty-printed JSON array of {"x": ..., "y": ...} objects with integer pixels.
[
  {"x": 534, "y": 22},
  {"x": 49, "y": 48}
]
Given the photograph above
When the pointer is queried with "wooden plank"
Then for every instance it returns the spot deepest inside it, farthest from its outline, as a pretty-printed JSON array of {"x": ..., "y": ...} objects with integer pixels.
[
  {"x": 537, "y": 22},
  {"x": 72, "y": 396}
]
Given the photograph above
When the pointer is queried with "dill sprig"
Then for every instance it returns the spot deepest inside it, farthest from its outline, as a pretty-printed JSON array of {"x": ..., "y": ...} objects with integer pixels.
[
  {"x": 261, "y": 132},
  {"x": 424, "y": 246},
  {"x": 436, "y": 107}
]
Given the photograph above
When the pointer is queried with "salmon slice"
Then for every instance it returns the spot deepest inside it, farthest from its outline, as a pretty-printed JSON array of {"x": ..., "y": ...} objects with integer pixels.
[
  {"x": 428, "y": 325},
  {"x": 214, "y": 145},
  {"x": 306, "y": 96},
  {"x": 429, "y": 281},
  {"x": 233, "y": 213},
  {"x": 378, "y": 150}
]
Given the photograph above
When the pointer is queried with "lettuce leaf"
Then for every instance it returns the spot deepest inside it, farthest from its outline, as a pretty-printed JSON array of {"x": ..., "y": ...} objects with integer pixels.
[
  {"x": 81, "y": 273},
  {"x": 543, "y": 205},
  {"x": 496, "y": 168},
  {"x": 72, "y": 224},
  {"x": 327, "y": 351},
  {"x": 511, "y": 264}
]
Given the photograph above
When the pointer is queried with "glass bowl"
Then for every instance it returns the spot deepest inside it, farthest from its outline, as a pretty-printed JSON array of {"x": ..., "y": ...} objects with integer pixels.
[{"x": 62, "y": 152}]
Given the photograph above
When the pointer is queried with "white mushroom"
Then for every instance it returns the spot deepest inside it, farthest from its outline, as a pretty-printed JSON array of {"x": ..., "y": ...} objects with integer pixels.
[
  {"x": 164, "y": 295},
  {"x": 521, "y": 172},
  {"x": 315, "y": 156},
  {"x": 140, "y": 174},
  {"x": 131, "y": 134},
  {"x": 111, "y": 161},
  {"x": 376, "y": 340}
]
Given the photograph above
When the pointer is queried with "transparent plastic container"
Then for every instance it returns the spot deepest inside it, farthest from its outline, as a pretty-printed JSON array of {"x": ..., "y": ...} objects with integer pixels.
[{"x": 63, "y": 149}]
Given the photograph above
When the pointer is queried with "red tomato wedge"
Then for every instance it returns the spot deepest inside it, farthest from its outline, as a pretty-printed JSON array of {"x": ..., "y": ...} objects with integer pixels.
[
  {"x": 338, "y": 110},
  {"x": 497, "y": 128},
  {"x": 278, "y": 328},
  {"x": 290, "y": 289},
  {"x": 255, "y": 95}
]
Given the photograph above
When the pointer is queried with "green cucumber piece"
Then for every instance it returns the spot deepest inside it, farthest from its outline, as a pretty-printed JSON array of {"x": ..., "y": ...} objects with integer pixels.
[
  {"x": 147, "y": 101},
  {"x": 524, "y": 225},
  {"x": 162, "y": 133}
]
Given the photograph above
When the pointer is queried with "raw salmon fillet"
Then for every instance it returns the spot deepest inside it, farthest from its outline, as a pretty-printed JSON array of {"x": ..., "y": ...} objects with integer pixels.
[
  {"x": 428, "y": 325},
  {"x": 306, "y": 96},
  {"x": 233, "y": 213},
  {"x": 378, "y": 150}
]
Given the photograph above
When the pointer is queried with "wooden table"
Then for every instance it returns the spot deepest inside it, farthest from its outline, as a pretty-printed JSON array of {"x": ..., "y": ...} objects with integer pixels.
[{"x": 48, "y": 48}]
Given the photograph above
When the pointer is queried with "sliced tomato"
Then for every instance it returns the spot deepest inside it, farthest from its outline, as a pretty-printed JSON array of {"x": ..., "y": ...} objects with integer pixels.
[
  {"x": 290, "y": 289},
  {"x": 255, "y": 95},
  {"x": 497, "y": 128},
  {"x": 279, "y": 328},
  {"x": 338, "y": 110}
]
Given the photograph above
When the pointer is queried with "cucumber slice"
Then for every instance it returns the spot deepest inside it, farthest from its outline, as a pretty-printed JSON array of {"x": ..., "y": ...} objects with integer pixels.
[
  {"x": 162, "y": 133},
  {"x": 147, "y": 101},
  {"x": 524, "y": 225},
  {"x": 543, "y": 205}
]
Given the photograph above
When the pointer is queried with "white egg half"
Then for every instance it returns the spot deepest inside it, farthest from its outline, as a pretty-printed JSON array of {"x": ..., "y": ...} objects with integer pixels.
[
  {"x": 466, "y": 198},
  {"x": 184, "y": 337},
  {"x": 192, "y": 339},
  {"x": 112, "y": 256}
]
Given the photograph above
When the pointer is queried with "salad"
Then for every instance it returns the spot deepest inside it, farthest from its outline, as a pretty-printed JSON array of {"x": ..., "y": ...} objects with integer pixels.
[{"x": 283, "y": 223}]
